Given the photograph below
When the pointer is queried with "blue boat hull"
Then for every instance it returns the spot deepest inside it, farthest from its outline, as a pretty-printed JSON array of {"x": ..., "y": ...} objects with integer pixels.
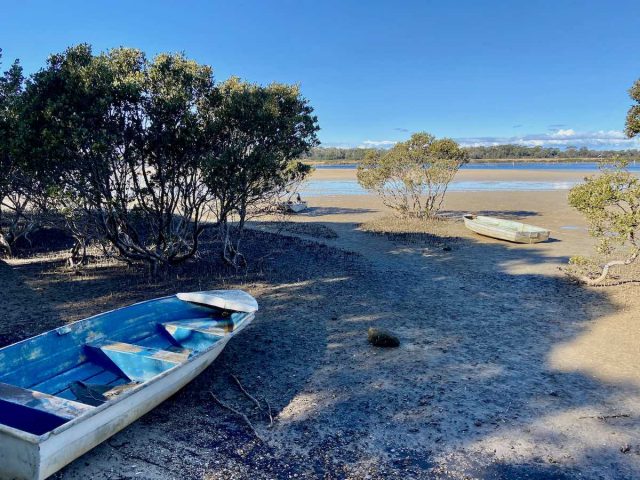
[{"x": 67, "y": 390}]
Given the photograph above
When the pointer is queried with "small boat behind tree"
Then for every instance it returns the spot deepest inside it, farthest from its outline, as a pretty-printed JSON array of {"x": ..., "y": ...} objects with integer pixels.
[
  {"x": 294, "y": 206},
  {"x": 67, "y": 390},
  {"x": 505, "y": 229}
]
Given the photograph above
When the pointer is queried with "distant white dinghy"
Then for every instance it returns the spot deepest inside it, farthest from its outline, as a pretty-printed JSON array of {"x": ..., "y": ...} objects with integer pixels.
[
  {"x": 505, "y": 229},
  {"x": 294, "y": 207}
]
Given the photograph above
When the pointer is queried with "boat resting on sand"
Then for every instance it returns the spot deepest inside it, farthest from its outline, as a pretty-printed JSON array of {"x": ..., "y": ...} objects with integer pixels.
[
  {"x": 67, "y": 390},
  {"x": 294, "y": 207},
  {"x": 505, "y": 229}
]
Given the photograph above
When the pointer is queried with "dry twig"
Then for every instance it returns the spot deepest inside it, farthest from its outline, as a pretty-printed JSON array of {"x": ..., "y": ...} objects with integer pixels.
[
  {"x": 247, "y": 394},
  {"x": 240, "y": 414},
  {"x": 607, "y": 417},
  {"x": 269, "y": 412}
]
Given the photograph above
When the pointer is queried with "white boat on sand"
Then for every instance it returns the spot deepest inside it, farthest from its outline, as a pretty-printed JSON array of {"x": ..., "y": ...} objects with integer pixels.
[
  {"x": 294, "y": 207},
  {"x": 505, "y": 229}
]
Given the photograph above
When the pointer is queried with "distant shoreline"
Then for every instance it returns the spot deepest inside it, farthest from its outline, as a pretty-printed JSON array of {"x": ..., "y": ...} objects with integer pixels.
[{"x": 473, "y": 160}]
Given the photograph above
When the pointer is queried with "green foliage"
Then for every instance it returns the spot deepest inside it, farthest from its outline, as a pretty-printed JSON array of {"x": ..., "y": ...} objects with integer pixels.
[
  {"x": 610, "y": 203},
  {"x": 412, "y": 178},
  {"x": 11, "y": 86},
  {"x": 511, "y": 151},
  {"x": 134, "y": 151},
  {"x": 115, "y": 134},
  {"x": 258, "y": 133},
  {"x": 12, "y": 177},
  {"x": 493, "y": 152},
  {"x": 347, "y": 155},
  {"x": 633, "y": 116}
]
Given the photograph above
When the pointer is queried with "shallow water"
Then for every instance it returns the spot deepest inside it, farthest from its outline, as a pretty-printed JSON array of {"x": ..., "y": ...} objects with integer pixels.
[
  {"x": 318, "y": 188},
  {"x": 571, "y": 227}
]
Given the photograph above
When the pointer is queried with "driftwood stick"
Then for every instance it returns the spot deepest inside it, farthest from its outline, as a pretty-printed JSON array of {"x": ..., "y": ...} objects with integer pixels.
[
  {"x": 240, "y": 414},
  {"x": 607, "y": 417},
  {"x": 269, "y": 412},
  {"x": 247, "y": 394},
  {"x": 605, "y": 269}
]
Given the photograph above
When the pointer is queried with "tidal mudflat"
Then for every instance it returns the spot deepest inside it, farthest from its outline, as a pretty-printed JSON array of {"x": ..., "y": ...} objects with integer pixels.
[{"x": 505, "y": 370}]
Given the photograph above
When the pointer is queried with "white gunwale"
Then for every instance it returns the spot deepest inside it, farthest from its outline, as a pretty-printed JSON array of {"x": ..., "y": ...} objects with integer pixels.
[
  {"x": 54, "y": 449},
  {"x": 508, "y": 230}
]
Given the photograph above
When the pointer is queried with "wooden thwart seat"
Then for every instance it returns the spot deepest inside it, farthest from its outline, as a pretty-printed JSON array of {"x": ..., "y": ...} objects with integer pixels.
[
  {"x": 198, "y": 334},
  {"x": 59, "y": 407},
  {"x": 219, "y": 328},
  {"x": 136, "y": 362}
]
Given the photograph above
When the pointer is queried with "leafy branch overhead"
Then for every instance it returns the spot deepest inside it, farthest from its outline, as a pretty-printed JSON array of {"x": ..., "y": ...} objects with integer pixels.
[
  {"x": 610, "y": 203},
  {"x": 632, "y": 127},
  {"x": 258, "y": 132}
]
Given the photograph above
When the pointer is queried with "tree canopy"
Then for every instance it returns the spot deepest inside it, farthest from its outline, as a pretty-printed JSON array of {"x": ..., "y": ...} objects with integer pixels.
[
  {"x": 11, "y": 178},
  {"x": 493, "y": 152},
  {"x": 633, "y": 116},
  {"x": 133, "y": 151},
  {"x": 610, "y": 203},
  {"x": 259, "y": 132},
  {"x": 412, "y": 177},
  {"x": 121, "y": 137}
]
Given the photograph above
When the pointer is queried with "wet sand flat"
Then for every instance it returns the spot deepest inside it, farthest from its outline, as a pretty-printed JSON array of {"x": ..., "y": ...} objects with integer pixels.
[{"x": 506, "y": 369}]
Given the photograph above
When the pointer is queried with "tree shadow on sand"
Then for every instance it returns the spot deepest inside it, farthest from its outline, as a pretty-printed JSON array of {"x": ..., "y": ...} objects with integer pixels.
[
  {"x": 323, "y": 211},
  {"x": 508, "y": 214},
  {"x": 472, "y": 383},
  {"x": 469, "y": 392}
]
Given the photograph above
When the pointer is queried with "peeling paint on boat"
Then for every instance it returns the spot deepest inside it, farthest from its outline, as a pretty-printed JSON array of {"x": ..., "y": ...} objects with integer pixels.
[{"x": 27, "y": 455}]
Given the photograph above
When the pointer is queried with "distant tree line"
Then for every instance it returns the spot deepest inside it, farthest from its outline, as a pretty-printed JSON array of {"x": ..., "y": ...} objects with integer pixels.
[
  {"x": 496, "y": 152},
  {"x": 135, "y": 154},
  {"x": 510, "y": 151},
  {"x": 338, "y": 154}
]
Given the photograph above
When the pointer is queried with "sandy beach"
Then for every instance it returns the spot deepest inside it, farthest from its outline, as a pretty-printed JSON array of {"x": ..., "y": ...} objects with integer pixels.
[{"x": 506, "y": 369}]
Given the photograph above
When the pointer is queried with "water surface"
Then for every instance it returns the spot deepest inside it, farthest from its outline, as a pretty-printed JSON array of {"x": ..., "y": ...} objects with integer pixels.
[{"x": 318, "y": 188}]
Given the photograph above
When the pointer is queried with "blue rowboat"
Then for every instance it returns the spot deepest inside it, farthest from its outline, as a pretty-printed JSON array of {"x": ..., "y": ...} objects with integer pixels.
[{"x": 67, "y": 390}]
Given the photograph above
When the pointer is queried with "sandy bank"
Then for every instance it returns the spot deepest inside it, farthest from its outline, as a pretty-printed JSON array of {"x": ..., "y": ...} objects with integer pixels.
[{"x": 506, "y": 370}]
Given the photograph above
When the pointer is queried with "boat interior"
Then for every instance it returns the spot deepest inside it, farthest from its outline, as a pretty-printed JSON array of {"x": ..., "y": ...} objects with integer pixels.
[
  {"x": 505, "y": 224},
  {"x": 53, "y": 378}
]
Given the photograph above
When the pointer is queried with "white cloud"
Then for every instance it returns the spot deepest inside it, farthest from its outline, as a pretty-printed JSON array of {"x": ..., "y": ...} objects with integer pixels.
[
  {"x": 569, "y": 132},
  {"x": 560, "y": 138},
  {"x": 337, "y": 145},
  {"x": 378, "y": 143}
]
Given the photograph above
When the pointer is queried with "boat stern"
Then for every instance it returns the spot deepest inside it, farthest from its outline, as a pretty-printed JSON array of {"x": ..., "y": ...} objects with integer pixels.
[{"x": 19, "y": 456}]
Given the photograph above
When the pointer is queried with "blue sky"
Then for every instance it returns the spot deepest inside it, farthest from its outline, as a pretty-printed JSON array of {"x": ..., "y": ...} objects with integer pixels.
[{"x": 531, "y": 72}]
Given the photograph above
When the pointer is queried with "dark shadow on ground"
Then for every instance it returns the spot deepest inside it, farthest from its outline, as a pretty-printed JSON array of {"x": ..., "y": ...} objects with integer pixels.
[
  {"x": 472, "y": 367},
  {"x": 22, "y": 311},
  {"x": 322, "y": 211},
  {"x": 508, "y": 214},
  {"x": 530, "y": 471},
  {"x": 309, "y": 229}
]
